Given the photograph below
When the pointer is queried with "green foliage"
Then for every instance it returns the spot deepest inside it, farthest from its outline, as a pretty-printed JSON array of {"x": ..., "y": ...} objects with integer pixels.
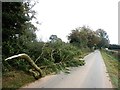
[
  {"x": 85, "y": 37},
  {"x": 50, "y": 57},
  {"x": 17, "y": 30},
  {"x": 56, "y": 56},
  {"x": 74, "y": 63},
  {"x": 104, "y": 40}
]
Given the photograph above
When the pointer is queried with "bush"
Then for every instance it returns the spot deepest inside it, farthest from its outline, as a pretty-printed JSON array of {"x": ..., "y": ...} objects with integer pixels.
[{"x": 50, "y": 57}]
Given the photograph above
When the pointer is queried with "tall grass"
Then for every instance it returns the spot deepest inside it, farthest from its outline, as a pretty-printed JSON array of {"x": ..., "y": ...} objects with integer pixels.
[{"x": 112, "y": 63}]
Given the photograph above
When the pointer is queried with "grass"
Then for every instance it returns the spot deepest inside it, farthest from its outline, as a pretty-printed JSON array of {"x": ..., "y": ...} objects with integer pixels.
[
  {"x": 15, "y": 79},
  {"x": 112, "y": 65}
]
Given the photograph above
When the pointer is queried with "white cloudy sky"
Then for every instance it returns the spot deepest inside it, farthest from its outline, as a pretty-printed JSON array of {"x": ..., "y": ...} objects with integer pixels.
[{"x": 59, "y": 17}]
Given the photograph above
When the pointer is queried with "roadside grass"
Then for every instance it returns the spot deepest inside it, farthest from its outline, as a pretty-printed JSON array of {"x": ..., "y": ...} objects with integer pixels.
[
  {"x": 112, "y": 65},
  {"x": 17, "y": 78}
]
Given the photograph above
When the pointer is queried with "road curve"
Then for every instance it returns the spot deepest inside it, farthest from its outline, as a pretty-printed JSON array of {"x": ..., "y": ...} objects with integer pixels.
[{"x": 92, "y": 75}]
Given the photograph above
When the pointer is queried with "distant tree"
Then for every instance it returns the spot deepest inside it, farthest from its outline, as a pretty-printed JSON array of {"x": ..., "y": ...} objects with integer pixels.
[
  {"x": 84, "y": 37},
  {"x": 54, "y": 38},
  {"x": 74, "y": 37},
  {"x": 104, "y": 42}
]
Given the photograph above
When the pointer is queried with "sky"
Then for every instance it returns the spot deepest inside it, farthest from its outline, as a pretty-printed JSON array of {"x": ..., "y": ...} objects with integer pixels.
[{"x": 59, "y": 17}]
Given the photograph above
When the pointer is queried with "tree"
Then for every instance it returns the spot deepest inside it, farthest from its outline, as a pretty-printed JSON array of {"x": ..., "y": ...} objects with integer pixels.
[
  {"x": 17, "y": 30},
  {"x": 74, "y": 37},
  {"x": 54, "y": 38},
  {"x": 84, "y": 37},
  {"x": 104, "y": 42},
  {"x": 16, "y": 26}
]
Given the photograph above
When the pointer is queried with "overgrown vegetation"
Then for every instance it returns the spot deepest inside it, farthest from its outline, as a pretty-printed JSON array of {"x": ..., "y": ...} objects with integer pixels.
[
  {"x": 52, "y": 59},
  {"x": 52, "y": 56},
  {"x": 112, "y": 64}
]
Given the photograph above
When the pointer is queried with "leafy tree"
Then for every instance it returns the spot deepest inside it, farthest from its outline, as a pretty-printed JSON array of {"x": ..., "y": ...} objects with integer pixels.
[
  {"x": 84, "y": 37},
  {"x": 54, "y": 38},
  {"x": 17, "y": 30},
  {"x": 77, "y": 38},
  {"x": 104, "y": 42},
  {"x": 16, "y": 24}
]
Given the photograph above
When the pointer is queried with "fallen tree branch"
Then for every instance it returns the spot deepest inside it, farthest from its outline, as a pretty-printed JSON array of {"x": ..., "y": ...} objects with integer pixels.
[{"x": 30, "y": 61}]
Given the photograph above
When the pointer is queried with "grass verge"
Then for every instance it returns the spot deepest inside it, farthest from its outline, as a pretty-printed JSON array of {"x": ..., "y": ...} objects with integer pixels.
[
  {"x": 15, "y": 79},
  {"x": 112, "y": 65}
]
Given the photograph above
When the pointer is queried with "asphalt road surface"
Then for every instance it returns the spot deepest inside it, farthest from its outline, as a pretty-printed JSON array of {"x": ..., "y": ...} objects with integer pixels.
[{"x": 92, "y": 75}]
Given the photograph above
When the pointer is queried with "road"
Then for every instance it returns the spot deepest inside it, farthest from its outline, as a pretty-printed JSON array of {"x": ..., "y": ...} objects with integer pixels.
[{"x": 92, "y": 75}]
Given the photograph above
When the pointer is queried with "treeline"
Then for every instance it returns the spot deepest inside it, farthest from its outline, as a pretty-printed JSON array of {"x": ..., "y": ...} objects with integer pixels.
[
  {"x": 114, "y": 47},
  {"x": 86, "y": 37},
  {"x": 114, "y": 50},
  {"x": 18, "y": 36}
]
